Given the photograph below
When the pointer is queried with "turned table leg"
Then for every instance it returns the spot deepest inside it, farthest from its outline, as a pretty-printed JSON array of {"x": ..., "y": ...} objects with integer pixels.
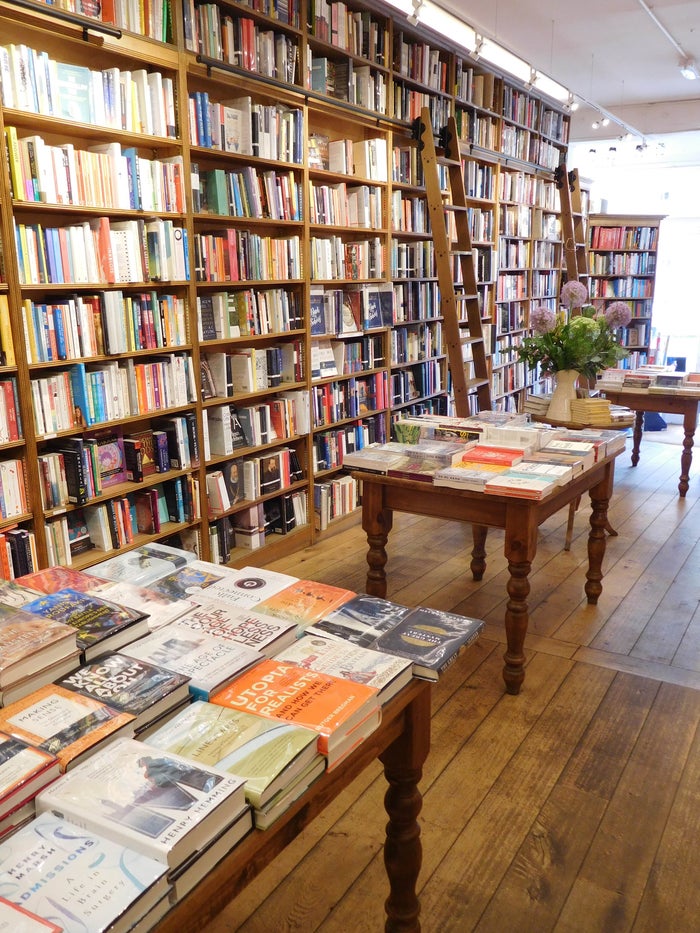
[
  {"x": 376, "y": 522},
  {"x": 690, "y": 419},
  {"x": 478, "y": 562}
]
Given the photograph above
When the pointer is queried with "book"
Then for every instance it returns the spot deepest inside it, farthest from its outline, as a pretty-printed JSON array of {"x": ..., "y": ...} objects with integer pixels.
[
  {"x": 267, "y": 754},
  {"x": 305, "y": 601},
  {"x": 201, "y": 862},
  {"x": 265, "y": 633},
  {"x": 386, "y": 672},
  {"x": 361, "y": 620},
  {"x": 63, "y": 723},
  {"x": 130, "y": 685},
  {"x": 15, "y": 919},
  {"x": 143, "y": 564},
  {"x": 525, "y": 486},
  {"x": 109, "y": 887},
  {"x": 101, "y": 625},
  {"x": 343, "y": 713},
  {"x": 29, "y": 642},
  {"x": 243, "y": 588},
  {"x": 24, "y": 770},
  {"x": 210, "y": 663},
  {"x": 189, "y": 581},
  {"x": 266, "y": 815},
  {"x": 157, "y": 803}
]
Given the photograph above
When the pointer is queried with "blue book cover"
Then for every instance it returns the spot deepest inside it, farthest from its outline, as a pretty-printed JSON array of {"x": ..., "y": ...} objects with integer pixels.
[{"x": 82, "y": 401}]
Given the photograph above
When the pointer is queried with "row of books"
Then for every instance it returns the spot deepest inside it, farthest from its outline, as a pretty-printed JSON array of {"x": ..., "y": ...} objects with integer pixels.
[
  {"x": 247, "y": 192},
  {"x": 361, "y": 85},
  {"x": 357, "y": 32},
  {"x": 202, "y": 755},
  {"x": 354, "y": 397},
  {"x": 334, "y": 258},
  {"x": 78, "y": 326},
  {"x": 249, "y": 527},
  {"x": 250, "y": 369},
  {"x": 341, "y": 205},
  {"x": 249, "y": 311},
  {"x": 227, "y": 428},
  {"x": 366, "y": 158},
  {"x": 251, "y": 477},
  {"x": 104, "y": 176},
  {"x": 350, "y": 310},
  {"x": 241, "y": 256}
]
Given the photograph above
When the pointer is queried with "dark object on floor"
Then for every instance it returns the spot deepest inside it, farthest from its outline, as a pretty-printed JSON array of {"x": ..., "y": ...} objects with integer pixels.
[{"x": 653, "y": 421}]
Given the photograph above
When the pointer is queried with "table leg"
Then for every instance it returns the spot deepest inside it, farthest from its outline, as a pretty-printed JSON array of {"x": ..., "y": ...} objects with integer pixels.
[
  {"x": 600, "y": 497},
  {"x": 690, "y": 420},
  {"x": 376, "y": 523},
  {"x": 403, "y": 767},
  {"x": 637, "y": 436},
  {"x": 519, "y": 548},
  {"x": 478, "y": 563}
]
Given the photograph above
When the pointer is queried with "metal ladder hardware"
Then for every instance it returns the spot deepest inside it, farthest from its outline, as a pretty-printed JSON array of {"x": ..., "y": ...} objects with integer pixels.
[
  {"x": 448, "y": 210},
  {"x": 572, "y": 222}
]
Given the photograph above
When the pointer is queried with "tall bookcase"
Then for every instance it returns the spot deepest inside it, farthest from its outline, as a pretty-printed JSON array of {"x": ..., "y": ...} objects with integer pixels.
[
  {"x": 215, "y": 239},
  {"x": 622, "y": 256}
]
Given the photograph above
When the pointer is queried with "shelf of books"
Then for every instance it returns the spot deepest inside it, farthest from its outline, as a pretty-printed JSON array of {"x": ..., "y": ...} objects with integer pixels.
[
  {"x": 219, "y": 270},
  {"x": 622, "y": 257}
]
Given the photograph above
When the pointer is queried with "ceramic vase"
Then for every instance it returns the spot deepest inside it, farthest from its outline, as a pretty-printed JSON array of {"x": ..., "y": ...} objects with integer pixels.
[{"x": 564, "y": 392}]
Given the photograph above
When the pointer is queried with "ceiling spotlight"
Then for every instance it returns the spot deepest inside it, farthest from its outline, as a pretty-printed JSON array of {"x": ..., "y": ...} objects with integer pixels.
[
  {"x": 605, "y": 122},
  {"x": 595, "y": 125},
  {"x": 689, "y": 69}
]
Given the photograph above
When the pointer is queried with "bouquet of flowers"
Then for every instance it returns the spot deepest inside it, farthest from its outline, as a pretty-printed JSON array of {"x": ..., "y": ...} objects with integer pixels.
[{"x": 585, "y": 342}]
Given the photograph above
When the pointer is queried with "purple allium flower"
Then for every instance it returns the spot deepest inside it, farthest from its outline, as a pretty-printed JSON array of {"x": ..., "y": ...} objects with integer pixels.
[
  {"x": 574, "y": 294},
  {"x": 618, "y": 314},
  {"x": 542, "y": 320}
]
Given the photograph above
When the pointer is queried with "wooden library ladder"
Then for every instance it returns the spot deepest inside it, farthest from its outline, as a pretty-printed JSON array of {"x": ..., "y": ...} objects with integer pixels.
[
  {"x": 459, "y": 301},
  {"x": 572, "y": 224}
]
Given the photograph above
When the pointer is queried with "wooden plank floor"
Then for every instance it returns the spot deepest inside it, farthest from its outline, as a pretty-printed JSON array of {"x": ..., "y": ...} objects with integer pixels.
[{"x": 572, "y": 807}]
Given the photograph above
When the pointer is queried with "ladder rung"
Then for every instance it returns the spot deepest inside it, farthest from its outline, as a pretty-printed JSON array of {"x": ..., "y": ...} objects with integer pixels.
[
  {"x": 456, "y": 208},
  {"x": 443, "y": 160}
]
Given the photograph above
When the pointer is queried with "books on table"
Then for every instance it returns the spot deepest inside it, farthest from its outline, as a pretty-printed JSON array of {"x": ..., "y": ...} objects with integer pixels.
[
  {"x": 101, "y": 625},
  {"x": 109, "y": 887},
  {"x": 386, "y": 672},
  {"x": 269, "y": 755},
  {"x": 209, "y": 662},
  {"x": 305, "y": 601},
  {"x": 243, "y": 588},
  {"x": 158, "y": 803},
  {"x": 131, "y": 686},
  {"x": 65, "y": 724},
  {"x": 201, "y": 862},
  {"x": 143, "y": 564},
  {"x": 341, "y": 712},
  {"x": 430, "y": 638},
  {"x": 24, "y": 770},
  {"x": 30, "y": 643}
]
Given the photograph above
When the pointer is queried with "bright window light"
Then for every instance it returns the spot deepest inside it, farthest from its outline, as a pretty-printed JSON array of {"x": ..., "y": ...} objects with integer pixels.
[
  {"x": 504, "y": 59},
  {"x": 434, "y": 17}
]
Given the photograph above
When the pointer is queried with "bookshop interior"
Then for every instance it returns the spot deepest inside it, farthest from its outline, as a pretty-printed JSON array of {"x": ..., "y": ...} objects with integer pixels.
[{"x": 350, "y": 380}]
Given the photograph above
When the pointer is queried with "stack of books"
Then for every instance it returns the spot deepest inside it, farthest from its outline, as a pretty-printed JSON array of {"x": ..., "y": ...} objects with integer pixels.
[
  {"x": 537, "y": 405},
  {"x": 590, "y": 411},
  {"x": 25, "y": 771}
]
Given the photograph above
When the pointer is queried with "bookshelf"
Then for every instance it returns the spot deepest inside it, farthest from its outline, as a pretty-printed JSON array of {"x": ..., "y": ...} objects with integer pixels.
[
  {"x": 622, "y": 257},
  {"x": 245, "y": 268}
]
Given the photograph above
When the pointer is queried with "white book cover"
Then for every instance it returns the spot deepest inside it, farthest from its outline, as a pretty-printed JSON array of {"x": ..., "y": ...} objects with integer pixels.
[
  {"x": 108, "y": 886},
  {"x": 157, "y": 803},
  {"x": 243, "y": 588},
  {"x": 265, "y": 633}
]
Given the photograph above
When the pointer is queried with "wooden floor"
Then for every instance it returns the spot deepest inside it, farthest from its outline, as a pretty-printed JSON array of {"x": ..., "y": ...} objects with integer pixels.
[{"x": 572, "y": 807}]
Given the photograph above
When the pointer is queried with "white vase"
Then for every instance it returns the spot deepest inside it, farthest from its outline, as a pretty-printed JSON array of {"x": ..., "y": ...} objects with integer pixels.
[{"x": 564, "y": 392}]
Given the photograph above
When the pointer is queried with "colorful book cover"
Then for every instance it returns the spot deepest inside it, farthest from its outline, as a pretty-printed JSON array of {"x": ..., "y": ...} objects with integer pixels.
[
  {"x": 24, "y": 769},
  {"x": 107, "y": 885},
  {"x": 190, "y": 580},
  {"x": 15, "y": 594},
  {"x": 63, "y": 723},
  {"x": 305, "y": 601},
  {"x": 132, "y": 686},
  {"x": 331, "y": 706},
  {"x": 266, "y": 754},
  {"x": 155, "y": 802},
  {"x": 143, "y": 564},
  {"x": 264, "y": 633},
  {"x": 386, "y": 672},
  {"x": 29, "y": 643},
  {"x": 97, "y": 621},
  {"x": 209, "y": 662},
  {"x": 361, "y": 620}
]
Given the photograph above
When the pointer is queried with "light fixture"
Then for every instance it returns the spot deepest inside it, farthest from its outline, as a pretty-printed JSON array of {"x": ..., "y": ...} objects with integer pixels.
[
  {"x": 689, "y": 69},
  {"x": 605, "y": 122},
  {"x": 595, "y": 125}
]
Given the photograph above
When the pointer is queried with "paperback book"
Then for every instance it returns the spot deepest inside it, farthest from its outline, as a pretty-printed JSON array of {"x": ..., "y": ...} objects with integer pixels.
[
  {"x": 305, "y": 601},
  {"x": 108, "y": 888},
  {"x": 268, "y": 755},
  {"x": 264, "y": 633},
  {"x": 343, "y": 713},
  {"x": 243, "y": 588},
  {"x": 131, "y": 686},
  {"x": 143, "y": 564},
  {"x": 201, "y": 862},
  {"x": 62, "y": 723},
  {"x": 190, "y": 581},
  {"x": 157, "y": 803},
  {"x": 101, "y": 625}
]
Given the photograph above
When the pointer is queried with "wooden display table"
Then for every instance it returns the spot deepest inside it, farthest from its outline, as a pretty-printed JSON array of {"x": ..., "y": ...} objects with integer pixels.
[
  {"x": 382, "y": 495},
  {"x": 401, "y": 743},
  {"x": 672, "y": 403}
]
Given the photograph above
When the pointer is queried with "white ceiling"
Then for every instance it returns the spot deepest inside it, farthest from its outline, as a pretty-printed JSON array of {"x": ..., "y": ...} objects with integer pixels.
[{"x": 610, "y": 52}]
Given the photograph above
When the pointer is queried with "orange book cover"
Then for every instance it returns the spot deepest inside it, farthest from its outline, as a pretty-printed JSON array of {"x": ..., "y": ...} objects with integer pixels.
[
  {"x": 305, "y": 601},
  {"x": 483, "y": 453},
  {"x": 65, "y": 724},
  {"x": 331, "y": 706}
]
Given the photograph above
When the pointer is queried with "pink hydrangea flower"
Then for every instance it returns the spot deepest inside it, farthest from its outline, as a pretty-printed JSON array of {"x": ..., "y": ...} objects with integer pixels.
[
  {"x": 574, "y": 294},
  {"x": 618, "y": 314},
  {"x": 543, "y": 320}
]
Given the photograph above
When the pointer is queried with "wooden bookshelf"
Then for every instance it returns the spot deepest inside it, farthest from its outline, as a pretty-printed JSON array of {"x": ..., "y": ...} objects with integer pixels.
[{"x": 227, "y": 223}]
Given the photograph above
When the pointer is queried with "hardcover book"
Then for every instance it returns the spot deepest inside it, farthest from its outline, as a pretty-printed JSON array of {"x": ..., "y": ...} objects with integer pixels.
[
  {"x": 157, "y": 803},
  {"x": 24, "y": 770},
  {"x": 386, "y": 672},
  {"x": 343, "y": 713},
  {"x": 131, "y": 686},
  {"x": 208, "y": 661},
  {"x": 242, "y": 588},
  {"x": 361, "y": 620},
  {"x": 201, "y": 862},
  {"x": 15, "y": 919},
  {"x": 29, "y": 643},
  {"x": 268, "y": 755},
  {"x": 108, "y": 887},
  {"x": 265, "y": 633},
  {"x": 101, "y": 625},
  {"x": 189, "y": 581},
  {"x": 142, "y": 565},
  {"x": 63, "y": 723},
  {"x": 305, "y": 601}
]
